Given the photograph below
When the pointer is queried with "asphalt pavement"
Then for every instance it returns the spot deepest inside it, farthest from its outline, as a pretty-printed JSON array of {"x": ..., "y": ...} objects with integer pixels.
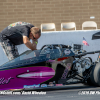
[{"x": 70, "y": 92}]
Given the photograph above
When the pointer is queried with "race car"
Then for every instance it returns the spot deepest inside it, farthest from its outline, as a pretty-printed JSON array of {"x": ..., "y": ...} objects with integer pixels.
[{"x": 52, "y": 65}]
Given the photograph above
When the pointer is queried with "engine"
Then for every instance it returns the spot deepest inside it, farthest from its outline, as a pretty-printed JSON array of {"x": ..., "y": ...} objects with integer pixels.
[{"x": 82, "y": 64}]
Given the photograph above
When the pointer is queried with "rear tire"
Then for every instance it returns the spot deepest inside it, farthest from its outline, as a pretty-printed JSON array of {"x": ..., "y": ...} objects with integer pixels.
[{"x": 95, "y": 74}]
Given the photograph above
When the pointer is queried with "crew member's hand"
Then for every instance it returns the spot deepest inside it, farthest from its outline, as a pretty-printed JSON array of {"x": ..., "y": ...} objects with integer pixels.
[{"x": 34, "y": 43}]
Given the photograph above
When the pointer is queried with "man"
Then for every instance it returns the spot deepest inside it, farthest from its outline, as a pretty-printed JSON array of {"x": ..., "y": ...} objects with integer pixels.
[{"x": 16, "y": 34}]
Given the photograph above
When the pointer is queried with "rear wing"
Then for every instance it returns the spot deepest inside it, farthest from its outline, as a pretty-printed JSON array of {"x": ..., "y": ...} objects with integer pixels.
[{"x": 85, "y": 53}]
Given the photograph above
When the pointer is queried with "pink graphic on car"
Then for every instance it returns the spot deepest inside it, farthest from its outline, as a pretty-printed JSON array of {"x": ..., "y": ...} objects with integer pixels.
[
  {"x": 17, "y": 78},
  {"x": 36, "y": 75}
]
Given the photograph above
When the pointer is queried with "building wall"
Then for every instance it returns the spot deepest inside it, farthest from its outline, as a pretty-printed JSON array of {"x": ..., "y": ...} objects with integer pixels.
[{"x": 49, "y": 11}]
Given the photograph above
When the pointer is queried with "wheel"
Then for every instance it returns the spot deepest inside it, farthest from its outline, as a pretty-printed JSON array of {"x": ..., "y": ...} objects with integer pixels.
[
  {"x": 89, "y": 58},
  {"x": 95, "y": 74}
]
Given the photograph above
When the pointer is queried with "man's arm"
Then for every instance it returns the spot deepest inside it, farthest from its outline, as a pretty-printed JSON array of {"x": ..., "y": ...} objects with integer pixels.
[
  {"x": 34, "y": 43},
  {"x": 27, "y": 42}
]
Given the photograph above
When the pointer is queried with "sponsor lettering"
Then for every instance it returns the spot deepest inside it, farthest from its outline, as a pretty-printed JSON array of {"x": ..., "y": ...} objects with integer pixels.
[
  {"x": 5, "y": 81},
  {"x": 59, "y": 84},
  {"x": 37, "y": 74},
  {"x": 66, "y": 71},
  {"x": 32, "y": 86},
  {"x": 51, "y": 84},
  {"x": 67, "y": 52},
  {"x": 43, "y": 85}
]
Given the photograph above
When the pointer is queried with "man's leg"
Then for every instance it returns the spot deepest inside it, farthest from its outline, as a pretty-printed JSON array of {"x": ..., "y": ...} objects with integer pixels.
[{"x": 9, "y": 48}]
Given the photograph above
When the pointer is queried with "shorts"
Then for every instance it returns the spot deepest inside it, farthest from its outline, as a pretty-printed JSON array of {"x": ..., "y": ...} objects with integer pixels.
[{"x": 9, "y": 48}]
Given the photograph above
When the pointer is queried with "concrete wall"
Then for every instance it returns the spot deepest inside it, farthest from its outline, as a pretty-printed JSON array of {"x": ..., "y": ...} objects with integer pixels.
[{"x": 67, "y": 38}]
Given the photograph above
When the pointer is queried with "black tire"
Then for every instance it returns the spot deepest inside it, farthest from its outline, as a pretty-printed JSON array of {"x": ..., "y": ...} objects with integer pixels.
[
  {"x": 95, "y": 75},
  {"x": 89, "y": 58}
]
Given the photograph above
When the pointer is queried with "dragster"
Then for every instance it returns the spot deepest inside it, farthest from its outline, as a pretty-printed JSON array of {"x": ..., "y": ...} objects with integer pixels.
[{"x": 53, "y": 65}]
